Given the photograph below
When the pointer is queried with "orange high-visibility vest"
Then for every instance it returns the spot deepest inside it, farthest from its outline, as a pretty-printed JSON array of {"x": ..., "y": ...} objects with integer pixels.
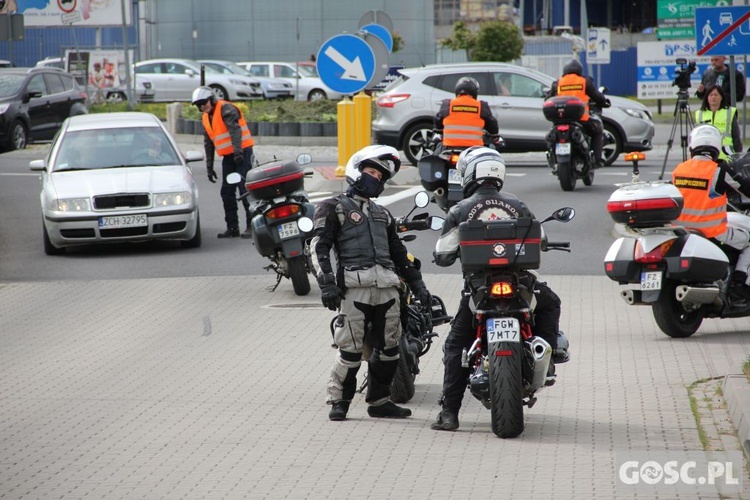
[
  {"x": 574, "y": 85},
  {"x": 219, "y": 134},
  {"x": 708, "y": 215},
  {"x": 463, "y": 126}
]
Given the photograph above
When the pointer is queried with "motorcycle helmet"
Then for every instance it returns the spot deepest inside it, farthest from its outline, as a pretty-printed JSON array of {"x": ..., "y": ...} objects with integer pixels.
[
  {"x": 478, "y": 165},
  {"x": 383, "y": 158},
  {"x": 203, "y": 94},
  {"x": 467, "y": 85},
  {"x": 705, "y": 139},
  {"x": 573, "y": 66}
]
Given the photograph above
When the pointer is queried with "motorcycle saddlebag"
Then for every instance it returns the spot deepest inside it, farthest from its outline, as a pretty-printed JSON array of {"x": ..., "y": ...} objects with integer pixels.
[
  {"x": 500, "y": 243},
  {"x": 563, "y": 109},
  {"x": 645, "y": 204},
  {"x": 274, "y": 180},
  {"x": 433, "y": 172}
]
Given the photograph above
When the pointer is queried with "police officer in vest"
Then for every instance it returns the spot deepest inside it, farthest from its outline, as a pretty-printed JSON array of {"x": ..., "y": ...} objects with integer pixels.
[
  {"x": 226, "y": 133},
  {"x": 364, "y": 286},
  {"x": 704, "y": 183},
  {"x": 573, "y": 83},
  {"x": 715, "y": 110},
  {"x": 463, "y": 120}
]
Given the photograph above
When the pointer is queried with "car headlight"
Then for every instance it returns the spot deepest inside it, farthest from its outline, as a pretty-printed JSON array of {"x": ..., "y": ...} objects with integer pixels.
[
  {"x": 637, "y": 113},
  {"x": 71, "y": 205},
  {"x": 237, "y": 82},
  {"x": 168, "y": 199},
  {"x": 4, "y": 108}
]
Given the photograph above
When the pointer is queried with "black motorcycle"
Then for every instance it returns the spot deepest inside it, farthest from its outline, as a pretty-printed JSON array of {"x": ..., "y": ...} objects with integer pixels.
[{"x": 282, "y": 217}]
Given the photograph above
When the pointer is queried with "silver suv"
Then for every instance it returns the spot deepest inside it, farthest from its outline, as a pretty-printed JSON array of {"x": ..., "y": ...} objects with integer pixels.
[{"x": 406, "y": 109}]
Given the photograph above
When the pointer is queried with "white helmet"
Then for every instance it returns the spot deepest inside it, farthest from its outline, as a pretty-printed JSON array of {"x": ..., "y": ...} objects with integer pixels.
[
  {"x": 705, "y": 139},
  {"x": 478, "y": 164},
  {"x": 203, "y": 94},
  {"x": 383, "y": 158}
]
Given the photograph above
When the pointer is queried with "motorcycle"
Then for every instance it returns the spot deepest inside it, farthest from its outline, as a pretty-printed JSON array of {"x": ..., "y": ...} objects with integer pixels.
[
  {"x": 438, "y": 173},
  {"x": 282, "y": 217},
  {"x": 417, "y": 320},
  {"x": 683, "y": 276},
  {"x": 508, "y": 364},
  {"x": 570, "y": 154}
]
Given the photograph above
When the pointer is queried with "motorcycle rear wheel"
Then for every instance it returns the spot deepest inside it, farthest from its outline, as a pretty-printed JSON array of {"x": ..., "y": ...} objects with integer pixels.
[
  {"x": 402, "y": 387},
  {"x": 588, "y": 179},
  {"x": 671, "y": 317},
  {"x": 566, "y": 173},
  {"x": 506, "y": 390},
  {"x": 297, "y": 268}
]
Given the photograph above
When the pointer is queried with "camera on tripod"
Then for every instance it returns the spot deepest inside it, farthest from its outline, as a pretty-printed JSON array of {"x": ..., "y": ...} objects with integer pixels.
[{"x": 682, "y": 80}]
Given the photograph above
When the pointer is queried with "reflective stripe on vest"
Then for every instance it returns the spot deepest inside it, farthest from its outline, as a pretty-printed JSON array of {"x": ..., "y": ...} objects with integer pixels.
[
  {"x": 463, "y": 126},
  {"x": 219, "y": 134},
  {"x": 574, "y": 85},
  {"x": 721, "y": 119},
  {"x": 708, "y": 215}
]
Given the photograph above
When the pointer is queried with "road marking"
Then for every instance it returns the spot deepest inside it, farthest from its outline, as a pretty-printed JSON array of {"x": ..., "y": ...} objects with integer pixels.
[{"x": 18, "y": 175}]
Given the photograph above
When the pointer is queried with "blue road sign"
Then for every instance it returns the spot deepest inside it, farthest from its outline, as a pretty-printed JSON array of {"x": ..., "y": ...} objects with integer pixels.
[
  {"x": 380, "y": 32},
  {"x": 722, "y": 31},
  {"x": 345, "y": 63}
]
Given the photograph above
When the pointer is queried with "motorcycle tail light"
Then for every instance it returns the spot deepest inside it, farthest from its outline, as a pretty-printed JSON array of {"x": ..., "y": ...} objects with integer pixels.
[
  {"x": 454, "y": 159},
  {"x": 388, "y": 101},
  {"x": 563, "y": 128},
  {"x": 282, "y": 212},
  {"x": 641, "y": 205},
  {"x": 501, "y": 289},
  {"x": 655, "y": 255}
]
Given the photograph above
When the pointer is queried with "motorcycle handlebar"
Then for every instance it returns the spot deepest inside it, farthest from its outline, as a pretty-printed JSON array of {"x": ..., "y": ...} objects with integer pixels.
[
  {"x": 557, "y": 245},
  {"x": 412, "y": 225}
]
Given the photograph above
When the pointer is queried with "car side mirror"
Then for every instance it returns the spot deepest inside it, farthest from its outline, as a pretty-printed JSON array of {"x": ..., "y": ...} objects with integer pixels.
[
  {"x": 32, "y": 95},
  {"x": 37, "y": 165},
  {"x": 192, "y": 156},
  {"x": 190, "y": 72}
]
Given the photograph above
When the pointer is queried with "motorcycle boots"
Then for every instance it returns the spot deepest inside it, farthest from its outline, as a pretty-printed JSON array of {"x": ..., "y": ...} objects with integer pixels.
[
  {"x": 447, "y": 421},
  {"x": 388, "y": 410},
  {"x": 338, "y": 411}
]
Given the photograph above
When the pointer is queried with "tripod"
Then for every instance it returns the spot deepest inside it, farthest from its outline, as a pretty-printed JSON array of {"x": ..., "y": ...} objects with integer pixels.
[{"x": 684, "y": 117}]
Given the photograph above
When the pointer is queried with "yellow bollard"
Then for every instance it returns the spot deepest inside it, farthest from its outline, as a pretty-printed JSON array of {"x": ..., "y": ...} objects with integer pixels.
[
  {"x": 362, "y": 121},
  {"x": 345, "y": 114}
]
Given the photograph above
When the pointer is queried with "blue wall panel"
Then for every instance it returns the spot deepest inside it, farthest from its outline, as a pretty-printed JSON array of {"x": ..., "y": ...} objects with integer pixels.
[{"x": 619, "y": 76}]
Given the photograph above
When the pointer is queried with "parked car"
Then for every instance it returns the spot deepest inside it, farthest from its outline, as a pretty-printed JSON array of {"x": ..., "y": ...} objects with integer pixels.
[
  {"x": 116, "y": 177},
  {"x": 34, "y": 102},
  {"x": 273, "y": 88},
  {"x": 406, "y": 110},
  {"x": 306, "y": 88},
  {"x": 175, "y": 80}
]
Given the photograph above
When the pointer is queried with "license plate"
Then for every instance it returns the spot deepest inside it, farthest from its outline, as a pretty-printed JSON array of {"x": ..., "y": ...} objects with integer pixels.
[
  {"x": 121, "y": 221},
  {"x": 651, "y": 280},
  {"x": 288, "y": 229},
  {"x": 503, "y": 330},
  {"x": 562, "y": 148},
  {"x": 453, "y": 176}
]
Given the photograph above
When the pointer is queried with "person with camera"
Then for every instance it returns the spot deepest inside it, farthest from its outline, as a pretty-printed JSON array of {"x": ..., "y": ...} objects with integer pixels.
[
  {"x": 463, "y": 120},
  {"x": 718, "y": 74},
  {"x": 573, "y": 83},
  {"x": 225, "y": 132},
  {"x": 715, "y": 110}
]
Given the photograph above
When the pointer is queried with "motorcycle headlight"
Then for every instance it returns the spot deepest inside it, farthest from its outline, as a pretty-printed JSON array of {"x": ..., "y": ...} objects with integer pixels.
[
  {"x": 71, "y": 205},
  {"x": 168, "y": 199},
  {"x": 637, "y": 113}
]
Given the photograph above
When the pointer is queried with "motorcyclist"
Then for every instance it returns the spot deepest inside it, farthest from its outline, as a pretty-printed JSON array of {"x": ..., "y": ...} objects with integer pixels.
[
  {"x": 463, "y": 120},
  {"x": 364, "y": 287},
  {"x": 573, "y": 83},
  {"x": 226, "y": 133},
  {"x": 482, "y": 176},
  {"x": 704, "y": 183}
]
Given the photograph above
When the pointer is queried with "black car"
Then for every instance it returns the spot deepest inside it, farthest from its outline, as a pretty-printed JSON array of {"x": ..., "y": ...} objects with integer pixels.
[{"x": 34, "y": 102}]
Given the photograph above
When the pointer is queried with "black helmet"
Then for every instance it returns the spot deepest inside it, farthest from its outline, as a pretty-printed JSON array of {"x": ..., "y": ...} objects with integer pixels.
[
  {"x": 467, "y": 85},
  {"x": 573, "y": 66}
]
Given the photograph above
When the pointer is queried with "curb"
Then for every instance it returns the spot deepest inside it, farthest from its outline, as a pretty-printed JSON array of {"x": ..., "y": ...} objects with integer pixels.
[{"x": 736, "y": 390}]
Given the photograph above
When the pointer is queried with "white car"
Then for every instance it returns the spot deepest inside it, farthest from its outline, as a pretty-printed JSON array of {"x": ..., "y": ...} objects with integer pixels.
[
  {"x": 305, "y": 88},
  {"x": 117, "y": 177},
  {"x": 176, "y": 79},
  {"x": 273, "y": 88}
]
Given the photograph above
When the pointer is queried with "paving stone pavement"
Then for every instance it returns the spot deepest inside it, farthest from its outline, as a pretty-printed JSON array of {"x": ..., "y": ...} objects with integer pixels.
[{"x": 213, "y": 387}]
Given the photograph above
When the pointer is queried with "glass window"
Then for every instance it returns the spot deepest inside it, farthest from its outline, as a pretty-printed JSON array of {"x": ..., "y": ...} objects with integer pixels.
[
  {"x": 448, "y": 82},
  {"x": 36, "y": 84},
  {"x": 10, "y": 84},
  {"x": 259, "y": 70},
  {"x": 176, "y": 69},
  {"x": 54, "y": 84},
  {"x": 284, "y": 72},
  {"x": 517, "y": 85},
  {"x": 68, "y": 82},
  {"x": 149, "y": 68}
]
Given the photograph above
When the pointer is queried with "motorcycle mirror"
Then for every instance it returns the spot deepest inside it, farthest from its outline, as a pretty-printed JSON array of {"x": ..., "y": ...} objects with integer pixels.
[
  {"x": 234, "y": 178},
  {"x": 436, "y": 223},
  {"x": 603, "y": 89},
  {"x": 564, "y": 214},
  {"x": 305, "y": 224},
  {"x": 422, "y": 199},
  {"x": 304, "y": 159}
]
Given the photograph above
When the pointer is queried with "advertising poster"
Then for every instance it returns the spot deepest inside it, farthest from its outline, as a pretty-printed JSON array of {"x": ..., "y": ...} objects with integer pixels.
[
  {"x": 657, "y": 68},
  {"x": 64, "y": 12}
]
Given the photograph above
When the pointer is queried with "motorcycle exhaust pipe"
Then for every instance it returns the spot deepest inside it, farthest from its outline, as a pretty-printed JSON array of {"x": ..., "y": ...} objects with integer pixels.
[
  {"x": 632, "y": 297},
  {"x": 695, "y": 295},
  {"x": 439, "y": 192},
  {"x": 542, "y": 354}
]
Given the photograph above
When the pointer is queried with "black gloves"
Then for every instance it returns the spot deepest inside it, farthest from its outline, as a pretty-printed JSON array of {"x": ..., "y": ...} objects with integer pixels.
[
  {"x": 211, "y": 174},
  {"x": 330, "y": 294},
  {"x": 423, "y": 295},
  {"x": 239, "y": 159}
]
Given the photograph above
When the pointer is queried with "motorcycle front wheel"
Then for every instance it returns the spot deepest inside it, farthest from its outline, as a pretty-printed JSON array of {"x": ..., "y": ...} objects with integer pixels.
[
  {"x": 671, "y": 317},
  {"x": 298, "y": 274},
  {"x": 566, "y": 173},
  {"x": 506, "y": 389},
  {"x": 402, "y": 387}
]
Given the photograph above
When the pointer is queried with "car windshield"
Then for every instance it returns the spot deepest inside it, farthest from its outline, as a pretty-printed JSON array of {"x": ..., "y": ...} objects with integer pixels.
[
  {"x": 306, "y": 70},
  {"x": 10, "y": 84},
  {"x": 113, "y": 148},
  {"x": 237, "y": 69}
]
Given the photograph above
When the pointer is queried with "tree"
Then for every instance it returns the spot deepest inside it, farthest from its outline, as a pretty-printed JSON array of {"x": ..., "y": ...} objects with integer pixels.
[
  {"x": 398, "y": 42},
  {"x": 463, "y": 39},
  {"x": 494, "y": 41}
]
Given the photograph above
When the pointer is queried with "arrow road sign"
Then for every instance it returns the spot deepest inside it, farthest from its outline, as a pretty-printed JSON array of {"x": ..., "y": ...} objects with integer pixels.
[
  {"x": 346, "y": 63},
  {"x": 722, "y": 31},
  {"x": 598, "y": 46}
]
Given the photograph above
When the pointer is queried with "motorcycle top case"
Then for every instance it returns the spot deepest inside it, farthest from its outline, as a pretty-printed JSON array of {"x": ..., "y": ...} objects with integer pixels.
[
  {"x": 433, "y": 172},
  {"x": 500, "y": 243},
  {"x": 277, "y": 179},
  {"x": 645, "y": 204},
  {"x": 563, "y": 109}
]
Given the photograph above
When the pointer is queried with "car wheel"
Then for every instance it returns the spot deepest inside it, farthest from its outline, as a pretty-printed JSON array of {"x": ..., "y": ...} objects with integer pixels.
[
  {"x": 220, "y": 92},
  {"x": 196, "y": 240},
  {"x": 116, "y": 97},
  {"x": 417, "y": 142},
  {"x": 612, "y": 144},
  {"x": 18, "y": 137},
  {"x": 49, "y": 248},
  {"x": 316, "y": 95}
]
